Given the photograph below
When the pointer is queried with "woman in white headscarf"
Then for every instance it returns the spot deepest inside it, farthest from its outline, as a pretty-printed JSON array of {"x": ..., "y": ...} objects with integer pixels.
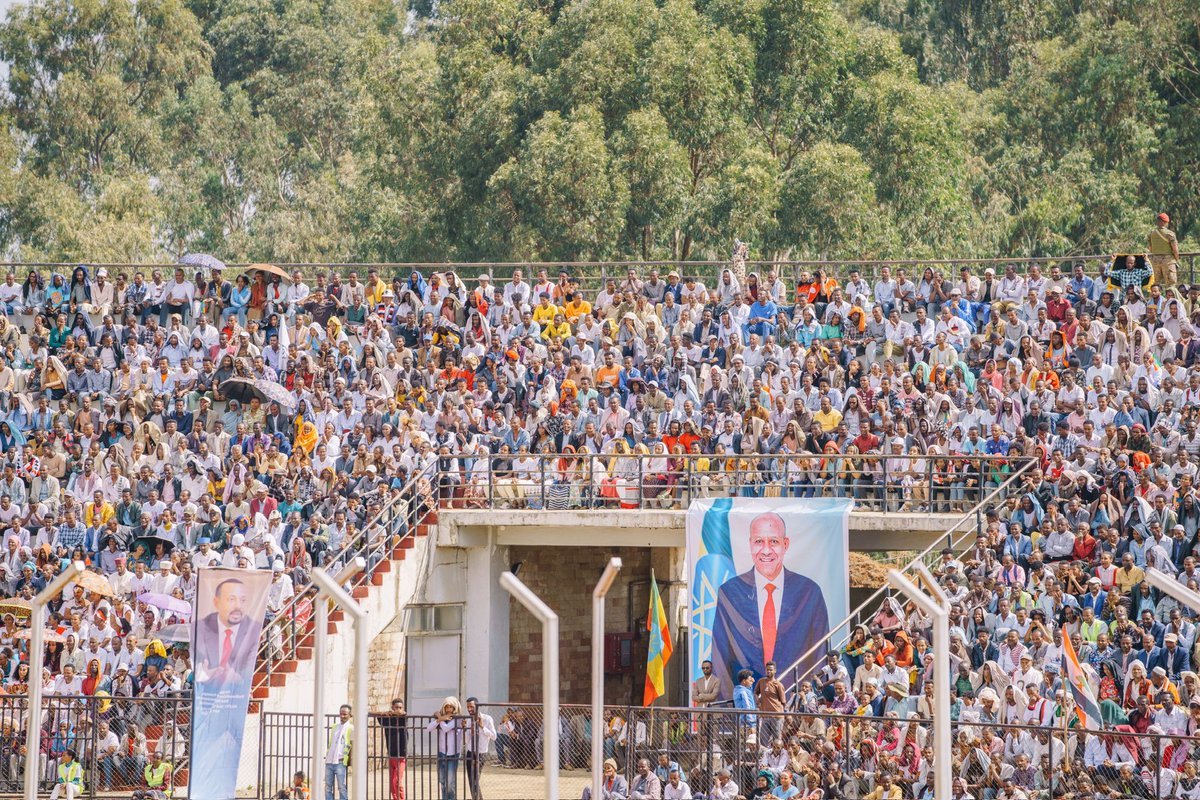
[
  {"x": 1175, "y": 322},
  {"x": 728, "y": 290},
  {"x": 989, "y": 676},
  {"x": 686, "y": 391}
]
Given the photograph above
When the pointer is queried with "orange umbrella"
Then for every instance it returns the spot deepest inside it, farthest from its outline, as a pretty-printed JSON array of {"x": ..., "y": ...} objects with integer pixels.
[{"x": 93, "y": 582}]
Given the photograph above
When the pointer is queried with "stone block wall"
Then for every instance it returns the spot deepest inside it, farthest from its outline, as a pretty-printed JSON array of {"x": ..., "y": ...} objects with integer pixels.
[{"x": 564, "y": 577}]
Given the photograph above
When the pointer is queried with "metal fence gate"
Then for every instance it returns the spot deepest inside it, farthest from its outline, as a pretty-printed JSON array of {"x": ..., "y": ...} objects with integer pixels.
[{"x": 285, "y": 746}]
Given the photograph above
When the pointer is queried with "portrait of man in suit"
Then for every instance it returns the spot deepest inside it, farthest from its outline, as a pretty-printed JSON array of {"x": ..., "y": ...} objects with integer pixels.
[
  {"x": 226, "y": 642},
  {"x": 768, "y": 613},
  {"x": 230, "y": 606}
]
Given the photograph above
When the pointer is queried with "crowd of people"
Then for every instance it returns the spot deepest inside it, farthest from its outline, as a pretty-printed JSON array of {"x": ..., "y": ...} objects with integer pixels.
[{"x": 127, "y": 445}]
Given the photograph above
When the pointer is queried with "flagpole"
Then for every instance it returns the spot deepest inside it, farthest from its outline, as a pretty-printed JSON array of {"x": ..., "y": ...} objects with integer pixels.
[
  {"x": 657, "y": 626},
  {"x": 598, "y": 594},
  {"x": 1066, "y": 750}
]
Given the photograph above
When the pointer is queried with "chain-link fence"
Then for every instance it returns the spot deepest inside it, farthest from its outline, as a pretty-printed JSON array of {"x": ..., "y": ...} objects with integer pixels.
[{"x": 114, "y": 739}]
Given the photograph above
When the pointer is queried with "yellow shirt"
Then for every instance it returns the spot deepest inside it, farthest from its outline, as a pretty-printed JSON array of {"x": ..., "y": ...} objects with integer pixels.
[
  {"x": 551, "y": 330},
  {"x": 374, "y": 294},
  {"x": 1127, "y": 580},
  {"x": 893, "y": 794},
  {"x": 828, "y": 421},
  {"x": 95, "y": 517},
  {"x": 543, "y": 314}
]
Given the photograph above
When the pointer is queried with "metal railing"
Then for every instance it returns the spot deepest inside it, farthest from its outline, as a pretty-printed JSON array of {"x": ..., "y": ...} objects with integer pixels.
[
  {"x": 931, "y": 484},
  {"x": 823, "y": 748},
  {"x": 92, "y": 726},
  {"x": 592, "y": 275},
  {"x": 290, "y": 628},
  {"x": 958, "y": 535}
]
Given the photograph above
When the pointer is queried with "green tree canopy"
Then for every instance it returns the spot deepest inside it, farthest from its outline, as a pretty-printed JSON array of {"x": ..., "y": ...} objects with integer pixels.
[{"x": 562, "y": 129}]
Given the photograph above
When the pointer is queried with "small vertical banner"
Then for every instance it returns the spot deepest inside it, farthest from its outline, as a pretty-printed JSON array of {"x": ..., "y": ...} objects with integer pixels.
[
  {"x": 660, "y": 646},
  {"x": 230, "y": 607}
]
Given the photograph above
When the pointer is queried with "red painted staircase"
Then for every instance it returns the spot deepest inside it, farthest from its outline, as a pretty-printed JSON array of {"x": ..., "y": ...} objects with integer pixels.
[{"x": 300, "y": 647}]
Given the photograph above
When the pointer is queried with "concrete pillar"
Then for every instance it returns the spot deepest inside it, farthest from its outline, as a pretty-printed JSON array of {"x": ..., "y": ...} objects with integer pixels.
[{"x": 485, "y": 623}]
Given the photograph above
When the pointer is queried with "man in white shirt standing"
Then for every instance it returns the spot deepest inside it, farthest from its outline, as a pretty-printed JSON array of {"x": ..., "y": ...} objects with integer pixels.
[
  {"x": 337, "y": 757},
  {"x": 177, "y": 298},
  {"x": 479, "y": 731},
  {"x": 296, "y": 294}
]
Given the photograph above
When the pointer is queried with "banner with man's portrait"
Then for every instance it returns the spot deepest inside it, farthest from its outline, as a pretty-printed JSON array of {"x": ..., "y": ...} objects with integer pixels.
[
  {"x": 768, "y": 578},
  {"x": 230, "y": 607}
]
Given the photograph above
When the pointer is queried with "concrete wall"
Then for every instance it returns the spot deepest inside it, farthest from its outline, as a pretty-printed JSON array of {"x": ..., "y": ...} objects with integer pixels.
[{"x": 869, "y": 531}]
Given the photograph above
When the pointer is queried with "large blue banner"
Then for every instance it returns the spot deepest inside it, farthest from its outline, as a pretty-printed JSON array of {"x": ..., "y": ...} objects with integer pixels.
[
  {"x": 230, "y": 606},
  {"x": 768, "y": 577}
]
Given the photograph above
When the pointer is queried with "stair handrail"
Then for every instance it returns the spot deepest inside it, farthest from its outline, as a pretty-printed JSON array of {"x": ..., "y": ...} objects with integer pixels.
[
  {"x": 409, "y": 505},
  {"x": 927, "y": 556}
]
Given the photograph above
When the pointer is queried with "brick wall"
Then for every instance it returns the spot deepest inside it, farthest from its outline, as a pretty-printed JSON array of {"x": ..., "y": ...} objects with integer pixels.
[
  {"x": 564, "y": 577},
  {"x": 386, "y": 671}
]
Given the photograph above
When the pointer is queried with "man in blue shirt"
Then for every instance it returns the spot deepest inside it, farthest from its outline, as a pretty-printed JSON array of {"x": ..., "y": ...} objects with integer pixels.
[
  {"x": 665, "y": 767},
  {"x": 743, "y": 696},
  {"x": 1079, "y": 289},
  {"x": 70, "y": 534},
  {"x": 762, "y": 318},
  {"x": 997, "y": 445}
]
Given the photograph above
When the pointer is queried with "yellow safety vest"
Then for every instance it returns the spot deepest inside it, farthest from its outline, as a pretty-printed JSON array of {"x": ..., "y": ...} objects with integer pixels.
[
  {"x": 71, "y": 773},
  {"x": 156, "y": 777}
]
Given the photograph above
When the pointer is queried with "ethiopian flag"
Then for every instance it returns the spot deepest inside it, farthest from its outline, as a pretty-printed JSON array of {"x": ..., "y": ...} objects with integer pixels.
[{"x": 660, "y": 646}]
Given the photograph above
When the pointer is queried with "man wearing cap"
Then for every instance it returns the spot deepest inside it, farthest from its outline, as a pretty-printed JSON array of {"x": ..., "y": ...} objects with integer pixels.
[
  {"x": 238, "y": 549},
  {"x": 164, "y": 580},
  {"x": 1164, "y": 252},
  {"x": 1173, "y": 658}
]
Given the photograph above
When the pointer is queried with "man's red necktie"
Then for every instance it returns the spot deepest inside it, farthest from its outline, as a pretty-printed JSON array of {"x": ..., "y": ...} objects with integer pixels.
[
  {"x": 769, "y": 625},
  {"x": 227, "y": 647}
]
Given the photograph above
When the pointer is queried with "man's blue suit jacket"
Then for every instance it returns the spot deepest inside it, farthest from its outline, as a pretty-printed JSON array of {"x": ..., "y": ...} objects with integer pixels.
[{"x": 737, "y": 634}]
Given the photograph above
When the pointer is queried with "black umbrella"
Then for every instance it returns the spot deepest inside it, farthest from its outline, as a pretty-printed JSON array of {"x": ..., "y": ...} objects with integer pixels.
[
  {"x": 243, "y": 389},
  {"x": 150, "y": 540}
]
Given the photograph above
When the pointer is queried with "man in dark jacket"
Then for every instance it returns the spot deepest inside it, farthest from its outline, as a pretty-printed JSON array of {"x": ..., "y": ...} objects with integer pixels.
[{"x": 395, "y": 738}]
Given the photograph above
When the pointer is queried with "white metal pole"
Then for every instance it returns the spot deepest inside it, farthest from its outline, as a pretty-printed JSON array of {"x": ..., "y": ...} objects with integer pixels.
[
  {"x": 323, "y": 582},
  {"x": 598, "y": 594},
  {"x": 316, "y": 777},
  {"x": 1168, "y": 585},
  {"x": 37, "y": 656},
  {"x": 361, "y": 707},
  {"x": 513, "y": 585},
  {"x": 942, "y": 773}
]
